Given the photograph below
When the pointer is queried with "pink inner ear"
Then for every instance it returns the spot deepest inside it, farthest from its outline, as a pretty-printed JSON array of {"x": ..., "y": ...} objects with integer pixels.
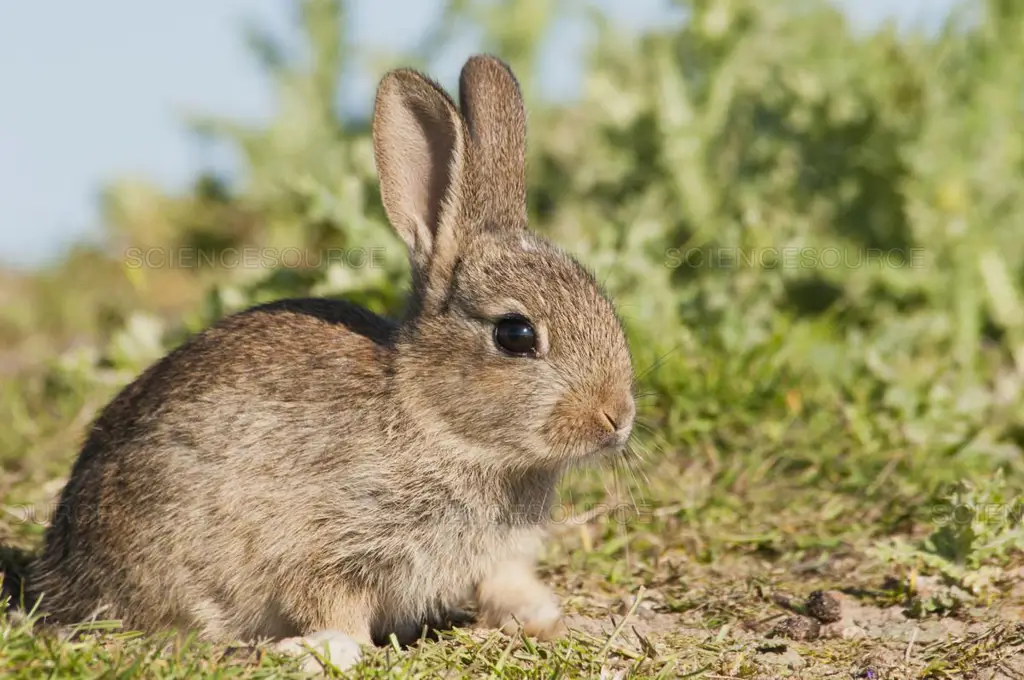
[
  {"x": 416, "y": 140},
  {"x": 440, "y": 134}
]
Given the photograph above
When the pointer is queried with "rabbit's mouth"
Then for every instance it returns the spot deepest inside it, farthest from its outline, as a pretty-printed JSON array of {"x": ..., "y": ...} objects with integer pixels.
[{"x": 613, "y": 445}]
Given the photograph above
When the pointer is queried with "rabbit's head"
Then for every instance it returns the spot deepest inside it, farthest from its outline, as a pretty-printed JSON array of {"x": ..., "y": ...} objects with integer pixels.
[{"x": 510, "y": 350}]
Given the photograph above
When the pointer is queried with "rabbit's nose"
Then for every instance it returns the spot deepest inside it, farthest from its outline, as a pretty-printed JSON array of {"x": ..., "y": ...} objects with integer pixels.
[{"x": 618, "y": 415}]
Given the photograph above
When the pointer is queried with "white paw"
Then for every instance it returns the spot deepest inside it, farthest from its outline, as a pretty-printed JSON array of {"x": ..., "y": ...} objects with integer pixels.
[
  {"x": 332, "y": 646},
  {"x": 541, "y": 619}
]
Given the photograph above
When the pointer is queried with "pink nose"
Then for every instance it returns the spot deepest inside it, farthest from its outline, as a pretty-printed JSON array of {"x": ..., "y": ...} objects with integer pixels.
[{"x": 618, "y": 415}]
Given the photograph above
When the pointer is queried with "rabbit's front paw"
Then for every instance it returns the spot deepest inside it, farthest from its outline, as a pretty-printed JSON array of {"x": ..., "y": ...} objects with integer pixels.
[
  {"x": 330, "y": 646},
  {"x": 513, "y": 600},
  {"x": 541, "y": 620}
]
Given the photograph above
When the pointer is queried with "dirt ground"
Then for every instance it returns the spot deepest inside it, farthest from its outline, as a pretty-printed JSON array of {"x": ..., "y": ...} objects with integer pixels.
[{"x": 748, "y": 619}]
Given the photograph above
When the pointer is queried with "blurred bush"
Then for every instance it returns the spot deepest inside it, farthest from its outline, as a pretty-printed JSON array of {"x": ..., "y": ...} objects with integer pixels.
[{"x": 791, "y": 213}]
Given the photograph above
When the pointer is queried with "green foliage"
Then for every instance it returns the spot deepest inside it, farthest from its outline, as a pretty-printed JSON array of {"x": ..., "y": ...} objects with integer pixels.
[{"x": 978, "y": 529}]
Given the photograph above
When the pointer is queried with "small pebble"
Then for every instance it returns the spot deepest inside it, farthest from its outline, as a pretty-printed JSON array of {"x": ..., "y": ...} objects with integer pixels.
[
  {"x": 824, "y": 606},
  {"x": 797, "y": 628},
  {"x": 853, "y": 633}
]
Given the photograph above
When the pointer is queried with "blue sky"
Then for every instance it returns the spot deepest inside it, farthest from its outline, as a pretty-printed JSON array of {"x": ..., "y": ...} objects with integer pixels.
[{"x": 91, "y": 91}]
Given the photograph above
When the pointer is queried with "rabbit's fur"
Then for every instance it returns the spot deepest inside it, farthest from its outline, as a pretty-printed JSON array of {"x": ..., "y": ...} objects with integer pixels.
[{"x": 308, "y": 466}]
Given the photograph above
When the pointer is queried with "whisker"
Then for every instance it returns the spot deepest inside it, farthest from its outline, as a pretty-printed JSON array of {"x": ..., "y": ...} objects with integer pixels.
[
  {"x": 643, "y": 445},
  {"x": 657, "y": 364},
  {"x": 656, "y": 439},
  {"x": 637, "y": 453},
  {"x": 649, "y": 450},
  {"x": 623, "y": 531},
  {"x": 630, "y": 470},
  {"x": 645, "y": 426},
  {"x": 638, "y": 461},
  {"x": 633, "y": 466},
  {"x": 609, "y": 493}
]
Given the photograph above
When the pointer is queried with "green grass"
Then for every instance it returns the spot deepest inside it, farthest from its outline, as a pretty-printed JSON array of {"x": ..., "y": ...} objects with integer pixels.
[
  {"x": 750, "y": 485},
  {"x": 855, "y": 428}
]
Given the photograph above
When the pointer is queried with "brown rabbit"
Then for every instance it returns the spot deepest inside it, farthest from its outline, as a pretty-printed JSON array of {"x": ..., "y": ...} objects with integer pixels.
[{"x": 309, "y": 472}]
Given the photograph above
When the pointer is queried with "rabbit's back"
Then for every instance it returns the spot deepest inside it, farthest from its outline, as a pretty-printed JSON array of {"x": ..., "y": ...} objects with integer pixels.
[{"x": 201, "y": 482}]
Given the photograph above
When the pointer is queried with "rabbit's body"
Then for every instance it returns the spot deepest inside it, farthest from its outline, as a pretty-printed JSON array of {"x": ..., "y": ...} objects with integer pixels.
[
  {"x": 300, "y": 487},
  {"x": 307, "y": 468}
]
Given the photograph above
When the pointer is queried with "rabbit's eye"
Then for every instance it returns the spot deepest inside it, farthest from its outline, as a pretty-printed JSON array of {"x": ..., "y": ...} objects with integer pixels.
[{"x": 515, "y": 335}]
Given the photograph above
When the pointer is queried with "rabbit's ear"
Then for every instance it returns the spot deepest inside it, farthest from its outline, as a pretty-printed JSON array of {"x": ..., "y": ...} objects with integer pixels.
[
  {"x": 492, "y": 105},
  {"x": 419, "y": 141}
]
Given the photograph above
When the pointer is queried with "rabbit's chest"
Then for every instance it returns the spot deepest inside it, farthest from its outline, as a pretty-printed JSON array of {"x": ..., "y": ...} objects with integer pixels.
[{"x": 446, "y": 568}]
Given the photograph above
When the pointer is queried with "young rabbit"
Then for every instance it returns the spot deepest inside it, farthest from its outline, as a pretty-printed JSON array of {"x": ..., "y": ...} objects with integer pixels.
[{"x": 309, "y": 472}]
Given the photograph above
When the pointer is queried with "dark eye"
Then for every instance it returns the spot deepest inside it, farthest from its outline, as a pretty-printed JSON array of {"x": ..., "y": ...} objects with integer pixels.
[{"x": 515, "y": 335}]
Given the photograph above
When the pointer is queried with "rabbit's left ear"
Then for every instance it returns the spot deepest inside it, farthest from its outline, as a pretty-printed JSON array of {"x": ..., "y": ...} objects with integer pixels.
[
  {"x": 492, "y": 106},
  {"x": 419, "y": 141}
]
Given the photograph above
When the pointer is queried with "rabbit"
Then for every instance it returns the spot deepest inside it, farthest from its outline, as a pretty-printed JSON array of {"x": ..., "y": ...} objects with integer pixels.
[{"x": 310, "y": 473}]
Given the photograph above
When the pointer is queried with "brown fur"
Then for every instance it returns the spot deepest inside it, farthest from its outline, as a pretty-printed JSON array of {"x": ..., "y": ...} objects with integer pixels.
[{"x": 307, "y": 466}]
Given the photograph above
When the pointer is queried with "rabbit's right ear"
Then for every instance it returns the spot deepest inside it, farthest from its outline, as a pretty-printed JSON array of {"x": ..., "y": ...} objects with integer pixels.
[{"x": 419, "y": 141}]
